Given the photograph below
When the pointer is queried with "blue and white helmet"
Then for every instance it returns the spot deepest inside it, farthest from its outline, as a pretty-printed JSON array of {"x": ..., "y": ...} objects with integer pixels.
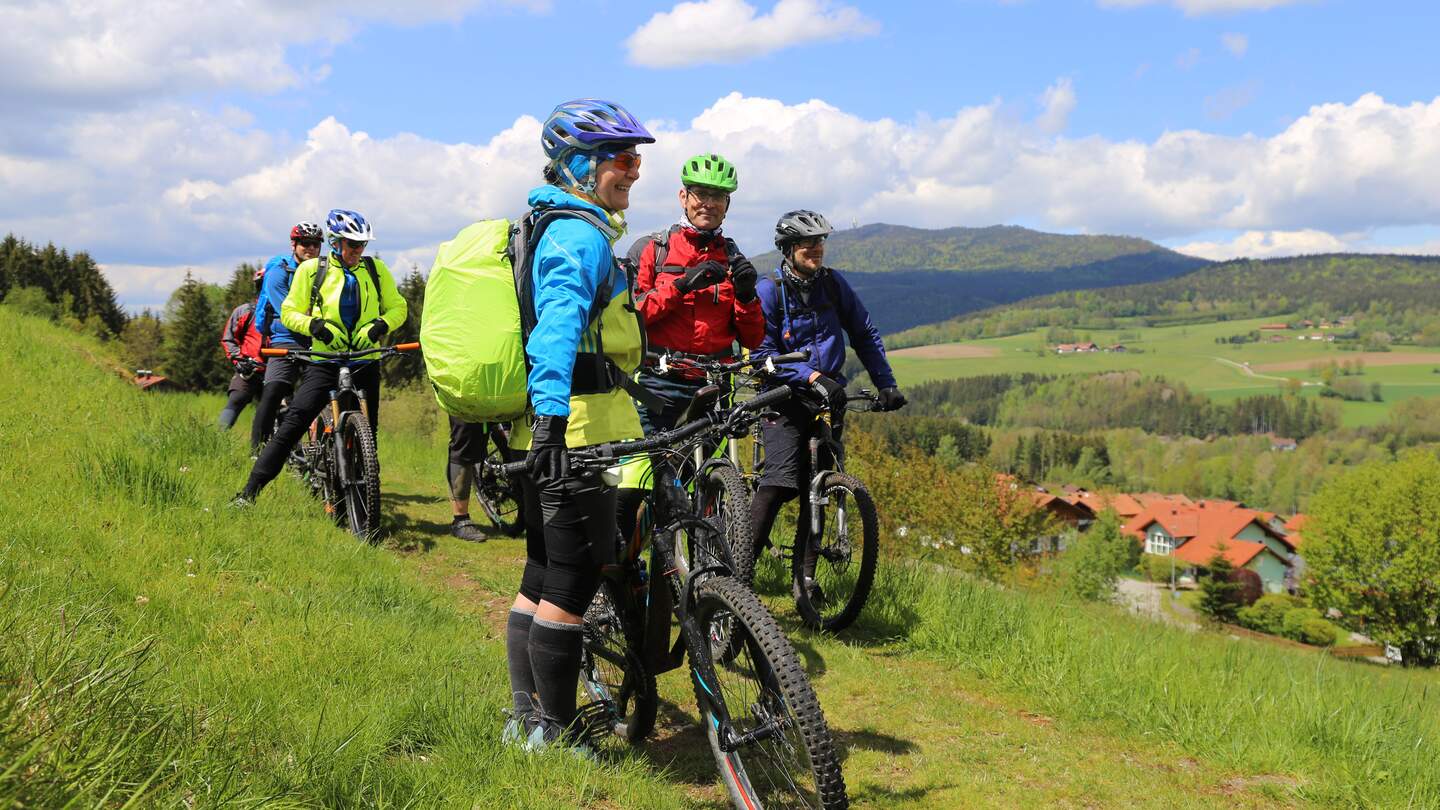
[{"x": 350, "y": 225}]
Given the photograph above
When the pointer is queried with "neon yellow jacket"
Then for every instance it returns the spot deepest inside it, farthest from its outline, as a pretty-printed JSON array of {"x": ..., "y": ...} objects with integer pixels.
[{"x": 385, "y": 304}]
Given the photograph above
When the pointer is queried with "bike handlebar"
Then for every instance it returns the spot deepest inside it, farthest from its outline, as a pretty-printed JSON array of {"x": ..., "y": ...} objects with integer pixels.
[
  {"x": 355, "y": 355},
  {"x": 667, "y": 361},
  {"x": 605, "y": 455}
]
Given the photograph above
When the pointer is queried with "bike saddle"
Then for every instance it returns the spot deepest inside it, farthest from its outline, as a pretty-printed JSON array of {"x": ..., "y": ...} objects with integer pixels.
[{"x": 704, "y": 400}]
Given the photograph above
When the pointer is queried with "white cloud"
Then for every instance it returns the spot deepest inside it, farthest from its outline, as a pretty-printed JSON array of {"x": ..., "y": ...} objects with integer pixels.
[
  {"x": 1188, "y": 59},
  {"x": 1236, "y": 44},
  {"x": 107, "y": 53},
  {"x": 723, "y": 31},
  {"x": 1226, "y": 102},
  {"x": 165, "y": 187},
  {"x": 1267, "y": 244},
  {"x": 1199, "y": 7},
  {"x": 1058, "y": 102}
]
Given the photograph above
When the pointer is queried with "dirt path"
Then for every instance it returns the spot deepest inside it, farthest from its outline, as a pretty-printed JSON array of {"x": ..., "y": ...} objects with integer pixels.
[{"x": 1244, "y": 368}]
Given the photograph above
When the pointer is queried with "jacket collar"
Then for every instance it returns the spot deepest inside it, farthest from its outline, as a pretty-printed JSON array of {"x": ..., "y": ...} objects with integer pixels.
[{"x": 548, "y": 196}]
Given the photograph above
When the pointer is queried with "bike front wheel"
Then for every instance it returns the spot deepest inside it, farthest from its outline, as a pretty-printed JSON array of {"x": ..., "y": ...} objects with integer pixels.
[
  {"x": 358, "y": 465},
  {"x": 764, "y": 724},
  {"x": 832, "y": 577},
  {"x": 722, "y": 497}
]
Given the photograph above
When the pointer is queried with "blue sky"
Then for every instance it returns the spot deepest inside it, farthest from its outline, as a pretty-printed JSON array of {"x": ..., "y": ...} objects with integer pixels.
[{"x": 166, "y": 141}]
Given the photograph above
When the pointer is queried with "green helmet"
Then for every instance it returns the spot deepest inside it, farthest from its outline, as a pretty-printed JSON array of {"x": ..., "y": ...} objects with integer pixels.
[{"x": 711, "y": 171}]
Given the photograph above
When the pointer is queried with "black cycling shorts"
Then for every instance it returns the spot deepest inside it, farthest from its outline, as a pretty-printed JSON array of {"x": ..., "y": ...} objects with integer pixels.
[
  {"x": 469, "y": 442},
  {"x": 569, "y": 533},
  {"x": 787, "y": 444}
]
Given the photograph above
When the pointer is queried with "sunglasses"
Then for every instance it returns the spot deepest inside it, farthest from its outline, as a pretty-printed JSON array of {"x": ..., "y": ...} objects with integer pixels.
[
  {"x": 351, "y": 243},
  {"x": 624, "y": 161},
  {"x": 309, "y": 243},
  {"x": 811, "y": 242},
  {"x": 706, "y": 195}
]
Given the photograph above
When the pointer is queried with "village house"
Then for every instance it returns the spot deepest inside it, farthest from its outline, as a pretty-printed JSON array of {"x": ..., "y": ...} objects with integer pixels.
[
  {"x": 1067, "y": 517},
  {"x": 1193, "y": 534},
  {"x": 1072, "y": 348}
]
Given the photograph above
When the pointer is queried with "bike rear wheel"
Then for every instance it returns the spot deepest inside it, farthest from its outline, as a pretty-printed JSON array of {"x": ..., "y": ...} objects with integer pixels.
[
  {"x": 843, "y": 566},
  {"x": 358, "y": 474},
  {"x": 777, "y": 751},
  {"x": 612, "y": 671}
]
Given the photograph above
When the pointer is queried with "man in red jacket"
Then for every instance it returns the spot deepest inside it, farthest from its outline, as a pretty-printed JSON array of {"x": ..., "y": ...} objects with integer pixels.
[
  {"x": 695, "y": 289},
  {"x": 242, "y": 342}
]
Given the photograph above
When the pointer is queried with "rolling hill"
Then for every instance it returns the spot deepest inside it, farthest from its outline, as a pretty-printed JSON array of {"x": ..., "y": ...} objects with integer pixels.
[
  {"x": 913, "y": 276},
  {"x": 1332, "y": 284}
]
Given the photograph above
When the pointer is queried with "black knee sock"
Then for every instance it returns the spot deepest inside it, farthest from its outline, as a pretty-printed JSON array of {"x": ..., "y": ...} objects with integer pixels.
[
  {"x": 555, "y": 663},
  {"x": 517, "y": 652}
]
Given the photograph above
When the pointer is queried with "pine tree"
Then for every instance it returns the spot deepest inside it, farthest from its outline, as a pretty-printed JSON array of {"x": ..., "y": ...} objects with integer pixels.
[
  {"x": 1219, "y": 593},
  {"x": 143, "y": 341},
  {"x": 409, "y": 368},
  {"x": 192, "y": 352},
  {"x": 241, "y": 287}
]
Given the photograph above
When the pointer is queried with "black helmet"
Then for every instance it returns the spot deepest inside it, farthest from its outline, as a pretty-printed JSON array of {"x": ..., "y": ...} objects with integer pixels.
[{"x": 796, "y": 225}]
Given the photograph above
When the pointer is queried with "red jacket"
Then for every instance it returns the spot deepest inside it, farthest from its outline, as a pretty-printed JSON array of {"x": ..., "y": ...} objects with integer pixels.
[
  {"x": 704, "y": 321},
  {"x": 240, "y": 337}
]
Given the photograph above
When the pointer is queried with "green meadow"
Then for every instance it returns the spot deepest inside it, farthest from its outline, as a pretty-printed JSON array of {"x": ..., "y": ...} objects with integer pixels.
[
  {"x": 1189, "y": 354},
  {"x": 157, "y": 649}
]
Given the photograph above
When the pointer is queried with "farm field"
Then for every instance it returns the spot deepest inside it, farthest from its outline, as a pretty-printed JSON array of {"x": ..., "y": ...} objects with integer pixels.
[{"x": 1187, "y": 354}]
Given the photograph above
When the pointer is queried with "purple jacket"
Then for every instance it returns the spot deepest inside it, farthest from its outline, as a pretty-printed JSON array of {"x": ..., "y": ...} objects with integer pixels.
[{"x": 834, "y": 311}]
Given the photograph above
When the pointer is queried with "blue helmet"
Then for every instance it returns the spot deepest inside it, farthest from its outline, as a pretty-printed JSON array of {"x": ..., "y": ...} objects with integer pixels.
[
  {"x": 586, "y": 123},
  {"x": 350, "y": 225}
]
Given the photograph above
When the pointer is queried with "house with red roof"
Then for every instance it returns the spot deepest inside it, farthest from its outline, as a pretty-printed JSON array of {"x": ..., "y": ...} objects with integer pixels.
[{"x": 1194, "y": 533}]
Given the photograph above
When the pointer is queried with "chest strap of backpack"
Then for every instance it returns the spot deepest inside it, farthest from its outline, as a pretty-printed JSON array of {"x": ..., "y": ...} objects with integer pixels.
[{"x": 322, "y": 266}]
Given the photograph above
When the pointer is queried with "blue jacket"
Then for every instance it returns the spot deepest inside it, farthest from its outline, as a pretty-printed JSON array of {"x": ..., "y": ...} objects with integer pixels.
[
  {"x": 273, "y": 289},
  {"x": 834, "y": 311},
  {"x": 570, "y": 261}
]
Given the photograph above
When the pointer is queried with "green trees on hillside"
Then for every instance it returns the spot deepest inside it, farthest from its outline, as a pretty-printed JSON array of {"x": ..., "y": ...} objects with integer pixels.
[
  {"x": 1092, "y": 565},
  {"x": 409, "y": 368},
  {"x": 72, "y": 287},
  {"x": 1373, "y": 553}
]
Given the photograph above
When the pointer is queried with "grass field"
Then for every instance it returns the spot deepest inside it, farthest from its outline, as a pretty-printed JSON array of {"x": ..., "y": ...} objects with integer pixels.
[
  {"x": 1188, "y": 354},
  {"x": 158, "y": 650}
]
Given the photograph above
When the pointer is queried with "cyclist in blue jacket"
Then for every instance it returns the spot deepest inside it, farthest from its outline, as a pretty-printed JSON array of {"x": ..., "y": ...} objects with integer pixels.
[
  {"x": 809, "y": 306},
  {"x": 281, "y": 373}
]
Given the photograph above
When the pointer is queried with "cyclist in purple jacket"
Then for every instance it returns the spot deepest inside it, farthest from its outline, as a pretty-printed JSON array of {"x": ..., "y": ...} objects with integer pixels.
[{"x": 809, "y": 306}]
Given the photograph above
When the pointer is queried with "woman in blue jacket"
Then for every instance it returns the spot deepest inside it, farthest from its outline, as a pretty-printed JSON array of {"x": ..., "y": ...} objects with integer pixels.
[
  {"x": 577, "y": 399},
  {"x": 809, "y": 306}
]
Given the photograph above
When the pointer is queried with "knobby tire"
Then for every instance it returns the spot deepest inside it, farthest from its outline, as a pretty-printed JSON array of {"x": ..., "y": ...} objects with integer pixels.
[
  {"x": 355, "y": 449},
  {"x": 845, "y": 577},
  {"x": 763, "y": 687}
]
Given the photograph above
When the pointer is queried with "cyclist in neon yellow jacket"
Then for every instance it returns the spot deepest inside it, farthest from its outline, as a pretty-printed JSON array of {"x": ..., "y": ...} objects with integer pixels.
[{"x": 353, "y": 307}]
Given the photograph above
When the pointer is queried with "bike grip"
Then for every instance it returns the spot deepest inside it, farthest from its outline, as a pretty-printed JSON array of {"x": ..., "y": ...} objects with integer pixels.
[
  {"x": 514, "y": 468},
  {"x": 407, "y": 347},
  {"x": 767, "y": 398},
  {"x": 269, "y": 352},
  {"x": 793, "y": 357}
]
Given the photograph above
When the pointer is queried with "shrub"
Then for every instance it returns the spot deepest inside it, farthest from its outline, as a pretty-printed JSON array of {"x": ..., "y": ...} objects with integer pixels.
[
  {"x": 1219, "y": 595},
  {"x": 1307, "y": 625},
  {"x": 1096, "y": 560},
  {"x": 1267, "y": 615},
  {"x": 1156, "y": 567},
  {"x": 1249, "y": 587}
]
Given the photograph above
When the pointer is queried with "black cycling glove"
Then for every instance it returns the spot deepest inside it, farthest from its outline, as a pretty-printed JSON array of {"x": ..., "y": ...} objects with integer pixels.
[
  {"x": 245, "y": 367},
  {"x": 378, "y": 329},
  {"x": 701, "y": 275},
  {"x": 891, "y": 399},
  {"x": 548, "y": 460},
  {"x": 320, "y": 331},
  {"x": 743, "y": 276},
  {"x": 829, "y": 391}
]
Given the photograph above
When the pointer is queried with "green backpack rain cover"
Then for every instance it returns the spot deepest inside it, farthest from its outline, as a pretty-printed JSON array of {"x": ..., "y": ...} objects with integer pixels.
[
  {"x": 474, "y": 347},
  {"x": 478, "y": 312}
]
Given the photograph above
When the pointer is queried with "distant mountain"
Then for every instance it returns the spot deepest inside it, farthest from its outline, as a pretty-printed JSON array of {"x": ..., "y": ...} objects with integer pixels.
[
  {"x": 911, "y": 276},
  {"x": 1385, "y": 286}
]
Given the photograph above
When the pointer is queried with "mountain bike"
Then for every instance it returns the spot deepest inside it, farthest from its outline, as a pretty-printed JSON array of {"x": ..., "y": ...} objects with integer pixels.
[
  {"x": 714, "y": 474},
  {"x": 337, "y": 455},
  {"x": 830, "y": 577},
  {"x": 762, "y": 720}
]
